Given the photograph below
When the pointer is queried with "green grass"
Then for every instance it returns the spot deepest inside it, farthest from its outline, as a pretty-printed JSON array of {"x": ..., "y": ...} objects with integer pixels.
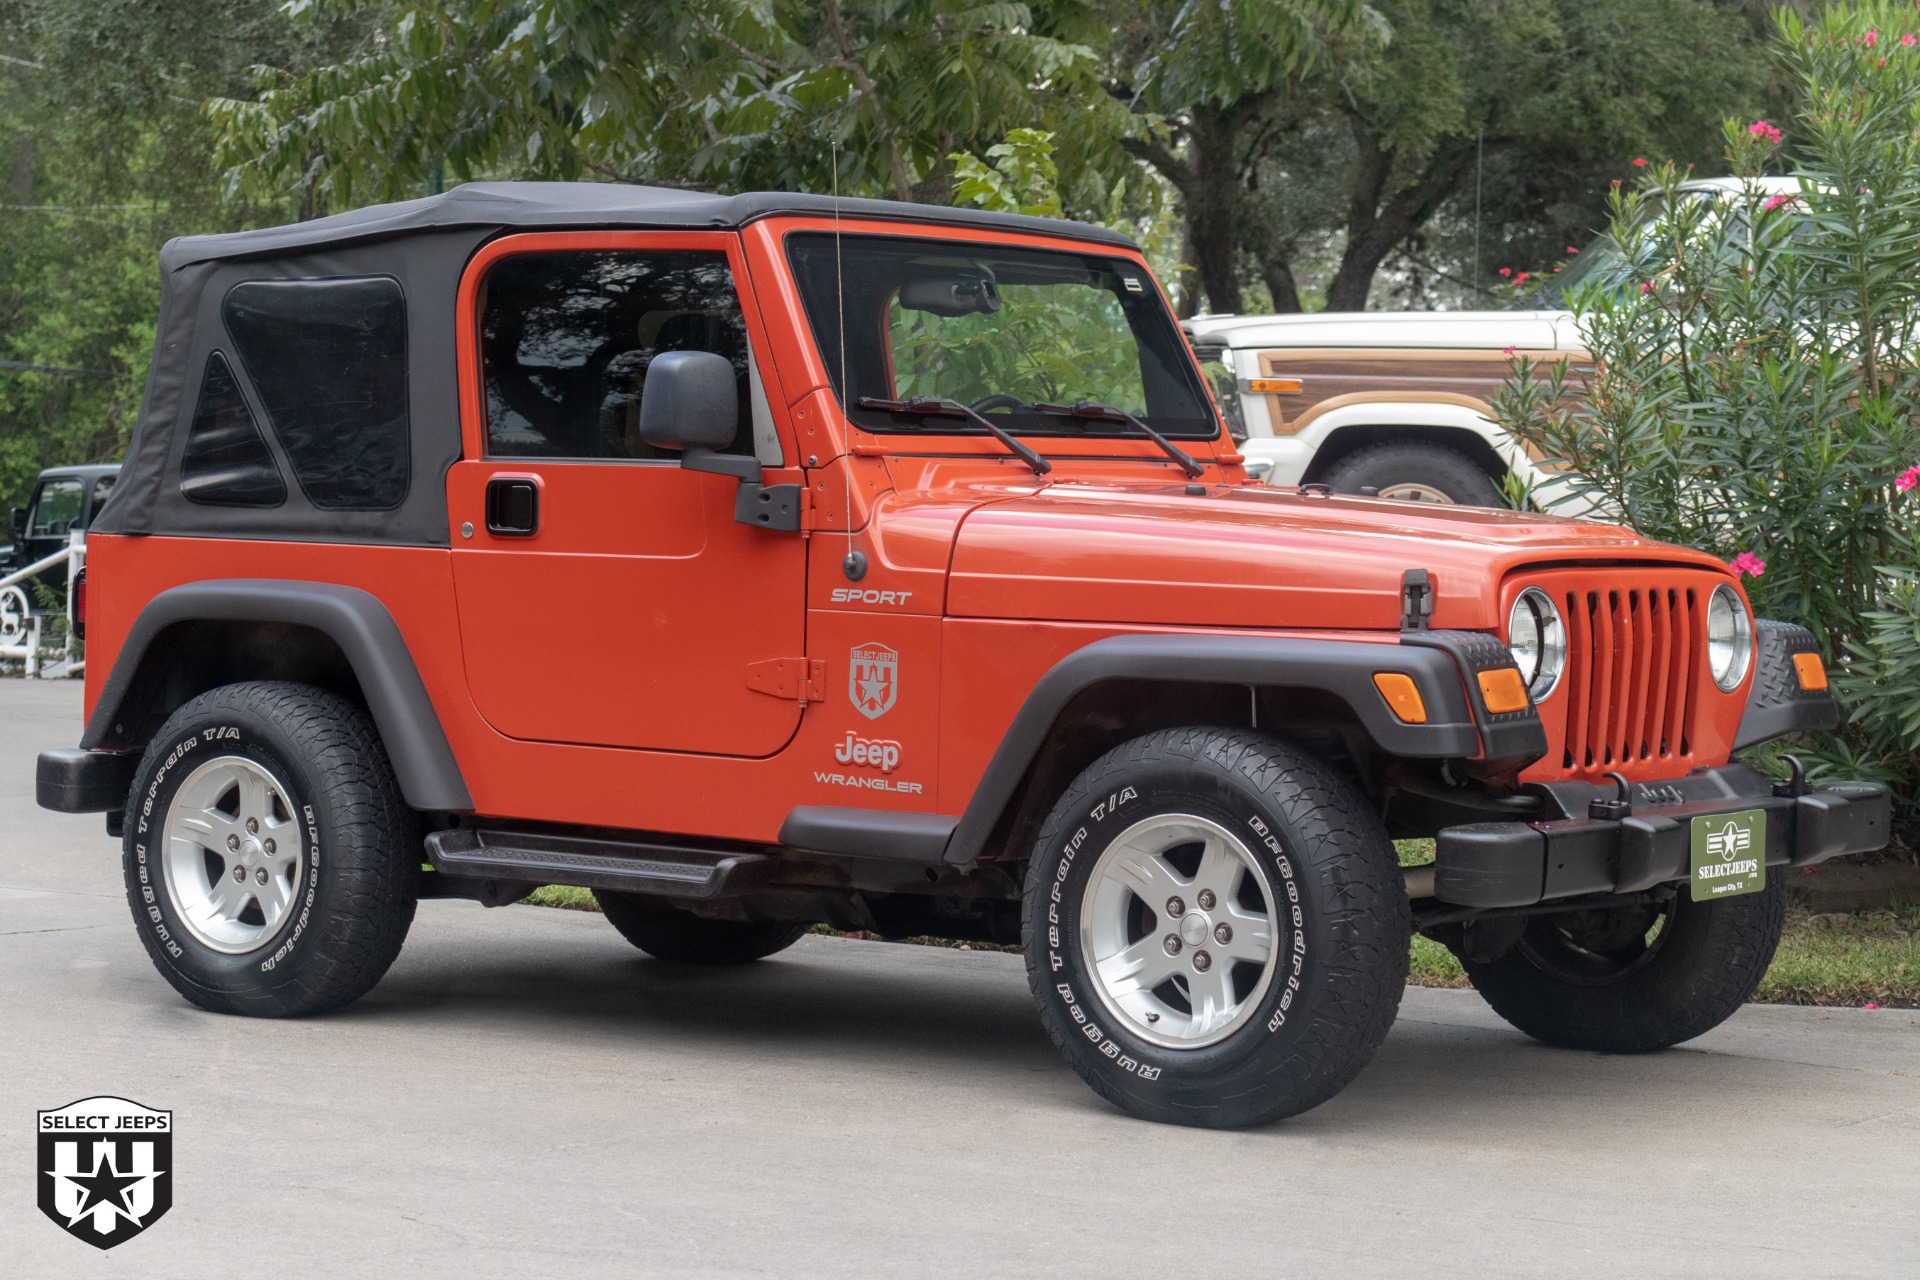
[{"x": 1854, "y": 958}]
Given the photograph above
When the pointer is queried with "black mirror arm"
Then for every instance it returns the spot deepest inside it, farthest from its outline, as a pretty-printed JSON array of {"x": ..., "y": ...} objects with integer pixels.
[{"x": 740, "y": 466}]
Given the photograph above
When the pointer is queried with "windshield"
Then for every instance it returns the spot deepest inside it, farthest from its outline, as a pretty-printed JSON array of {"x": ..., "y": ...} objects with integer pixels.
[
  {"x": 1604, "y": 263},
  {"x": 997, "y": 329}
]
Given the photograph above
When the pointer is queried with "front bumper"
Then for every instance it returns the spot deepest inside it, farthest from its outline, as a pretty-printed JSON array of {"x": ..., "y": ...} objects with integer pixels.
[
  {"x": 74, "y": 780},
  {"x": 1517, "y": 864}
]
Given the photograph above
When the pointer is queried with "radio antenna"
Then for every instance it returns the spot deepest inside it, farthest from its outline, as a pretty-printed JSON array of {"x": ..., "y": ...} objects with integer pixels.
[{"x": 855, "y": 564}]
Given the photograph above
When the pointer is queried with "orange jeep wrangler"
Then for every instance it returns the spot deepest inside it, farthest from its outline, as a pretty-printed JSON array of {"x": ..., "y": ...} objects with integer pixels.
[{"x": 763, "y": 560}]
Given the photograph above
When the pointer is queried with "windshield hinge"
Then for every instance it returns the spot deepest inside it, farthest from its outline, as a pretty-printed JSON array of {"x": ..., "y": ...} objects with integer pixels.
[
  {"x": 795, "y": 679},
  {"x": 1416, "y": 600}
]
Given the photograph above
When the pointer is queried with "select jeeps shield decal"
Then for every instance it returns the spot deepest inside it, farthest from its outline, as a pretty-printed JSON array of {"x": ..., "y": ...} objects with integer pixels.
[
  {"x": 872, "y": 679},
  {"x": 106, "y": 1167}
]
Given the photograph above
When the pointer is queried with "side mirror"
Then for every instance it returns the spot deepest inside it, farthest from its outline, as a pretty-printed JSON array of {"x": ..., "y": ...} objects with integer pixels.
[
  {"x": 17, "y": 518},
  {"x": 691, "y": 402}
]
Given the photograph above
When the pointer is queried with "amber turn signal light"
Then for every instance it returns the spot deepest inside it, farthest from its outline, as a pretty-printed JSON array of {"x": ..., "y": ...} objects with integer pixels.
[
  {"x": 1274, "y": 386},
  {"x": 1402, "y": 695},
  {"x": 1812, "y": 671},
  {"x": 1503, "y": 690}
]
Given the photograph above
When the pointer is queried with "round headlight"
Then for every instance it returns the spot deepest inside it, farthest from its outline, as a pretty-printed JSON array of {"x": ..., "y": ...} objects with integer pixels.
[
  {"x": 1538, "y": 641},
  {"x": 1729, "y": 638}
]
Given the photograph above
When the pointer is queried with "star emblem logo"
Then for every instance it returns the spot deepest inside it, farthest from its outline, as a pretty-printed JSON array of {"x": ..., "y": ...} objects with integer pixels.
[{"x": 105, "y": 1168}]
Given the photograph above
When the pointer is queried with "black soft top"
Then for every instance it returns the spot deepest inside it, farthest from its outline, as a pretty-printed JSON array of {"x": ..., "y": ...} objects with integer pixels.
[
  {"x": 536, "y": 205},
  {"x": 415, "y": 250}
]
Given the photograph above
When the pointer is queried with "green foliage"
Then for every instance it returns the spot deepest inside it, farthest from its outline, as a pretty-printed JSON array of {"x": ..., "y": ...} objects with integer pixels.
[{"x": 1756, "y": 370}]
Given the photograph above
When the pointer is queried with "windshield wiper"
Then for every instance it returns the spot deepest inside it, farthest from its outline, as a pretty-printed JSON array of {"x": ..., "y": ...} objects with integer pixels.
[
  {"x": 1092, "y": 412},
  {"x": 935, "y": 407}
]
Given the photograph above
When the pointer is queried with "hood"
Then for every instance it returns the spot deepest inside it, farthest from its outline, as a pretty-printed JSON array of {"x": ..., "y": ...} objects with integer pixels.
[
  {"x": 1258, "y": 557},
  {"x": 1459, "y": 330}
]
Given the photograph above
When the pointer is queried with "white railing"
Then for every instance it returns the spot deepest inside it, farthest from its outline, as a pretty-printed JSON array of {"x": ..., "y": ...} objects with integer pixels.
[{"x": 20, "y": 625}]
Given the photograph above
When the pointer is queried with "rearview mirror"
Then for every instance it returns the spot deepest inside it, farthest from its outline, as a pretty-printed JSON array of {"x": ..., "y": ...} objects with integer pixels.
[
  {"x": 963, "y": 291},
  {"x": 689, "y": 401}
]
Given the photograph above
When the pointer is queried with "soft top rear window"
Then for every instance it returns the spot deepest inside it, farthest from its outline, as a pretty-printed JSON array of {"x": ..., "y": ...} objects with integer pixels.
[{"x": 997, "y": 328}]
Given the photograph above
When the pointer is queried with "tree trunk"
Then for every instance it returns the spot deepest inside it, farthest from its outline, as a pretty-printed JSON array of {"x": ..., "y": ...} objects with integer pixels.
[
  {"x": 1213, "y": 207},
  {"x": 1277, "y": 274},
  {"x": 1376, "y": 226}
]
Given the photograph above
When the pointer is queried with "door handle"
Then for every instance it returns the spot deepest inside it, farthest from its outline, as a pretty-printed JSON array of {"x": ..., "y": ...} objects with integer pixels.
[{"x": 513, "y": 507}]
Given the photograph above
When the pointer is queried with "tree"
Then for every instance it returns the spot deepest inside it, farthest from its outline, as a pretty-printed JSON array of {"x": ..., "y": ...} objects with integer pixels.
[{"x": 866, "y": 95}]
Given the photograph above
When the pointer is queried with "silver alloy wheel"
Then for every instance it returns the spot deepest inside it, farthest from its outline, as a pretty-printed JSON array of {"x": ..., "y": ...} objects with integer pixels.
[
  {"x": 1409, "y": 491},
  {"x": 233, "y": 854},
  {"x": 1184, "y": 959}
]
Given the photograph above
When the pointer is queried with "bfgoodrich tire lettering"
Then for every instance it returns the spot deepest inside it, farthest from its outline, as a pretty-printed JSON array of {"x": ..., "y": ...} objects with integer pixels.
[
  {"x": 358, "y": 860},
  {"x": 1340, "y": 927}
]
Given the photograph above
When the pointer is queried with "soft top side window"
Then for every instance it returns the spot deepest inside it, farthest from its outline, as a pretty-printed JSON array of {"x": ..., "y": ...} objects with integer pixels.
[
  {"x": 566, "y": 338},
  {"x": 227, "y": 463},
  {"x": 329, "y": 360}
]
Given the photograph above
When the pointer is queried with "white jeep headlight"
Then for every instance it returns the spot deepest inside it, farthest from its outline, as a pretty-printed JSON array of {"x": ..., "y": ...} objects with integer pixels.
[
  {"x": 1729, "y": 638},
  {"x": 1538, "y": 641}
]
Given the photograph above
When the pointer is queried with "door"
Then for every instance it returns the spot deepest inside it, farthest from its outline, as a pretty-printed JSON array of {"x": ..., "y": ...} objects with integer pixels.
[{"x": 605, "y": 595}]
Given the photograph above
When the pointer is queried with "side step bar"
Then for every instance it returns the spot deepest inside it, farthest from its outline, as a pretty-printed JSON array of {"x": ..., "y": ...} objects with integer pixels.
[{"x": 538, "y": 858}]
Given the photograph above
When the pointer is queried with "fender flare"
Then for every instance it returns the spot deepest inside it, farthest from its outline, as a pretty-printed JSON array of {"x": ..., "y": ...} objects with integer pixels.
[
  {"x": 423, "y": 760},
  {"x": 1458, "y": 726}
]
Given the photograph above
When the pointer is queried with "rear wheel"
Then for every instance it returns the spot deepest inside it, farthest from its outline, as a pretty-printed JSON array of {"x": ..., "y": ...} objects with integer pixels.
[
  {"x": 1415, "y": 471},
  {"x": 271, "y": 865},
  {"x": 667, "y": 932},
  {"x": 1633, "y": 979},
  {"x": 1215, "y": 927}
]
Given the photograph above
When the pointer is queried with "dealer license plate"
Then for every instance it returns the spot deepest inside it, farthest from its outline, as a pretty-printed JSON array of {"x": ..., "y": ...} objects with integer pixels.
[{"x": 1729, "y": 854}]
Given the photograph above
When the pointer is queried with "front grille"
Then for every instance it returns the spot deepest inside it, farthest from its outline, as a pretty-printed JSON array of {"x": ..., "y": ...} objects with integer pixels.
[{"x": 1633, "y": 657}]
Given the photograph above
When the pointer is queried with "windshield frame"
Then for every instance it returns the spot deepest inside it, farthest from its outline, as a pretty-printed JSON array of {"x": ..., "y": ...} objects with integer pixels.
[{"x": 1176, "y": 357}]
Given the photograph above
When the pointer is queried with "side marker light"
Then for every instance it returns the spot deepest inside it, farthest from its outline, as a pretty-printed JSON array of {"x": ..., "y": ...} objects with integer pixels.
[{"x": 1402, "y": 695}]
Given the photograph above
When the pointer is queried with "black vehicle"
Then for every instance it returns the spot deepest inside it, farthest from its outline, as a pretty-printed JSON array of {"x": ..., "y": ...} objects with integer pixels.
[{"x": 64, "y": 499}]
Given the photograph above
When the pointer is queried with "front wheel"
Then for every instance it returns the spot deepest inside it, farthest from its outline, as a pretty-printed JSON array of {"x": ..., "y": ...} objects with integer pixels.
[
  {"x": 1637, "y": 978},
  {"x": 271, "y": 865},
  {"x": 1215, "y": 926}
]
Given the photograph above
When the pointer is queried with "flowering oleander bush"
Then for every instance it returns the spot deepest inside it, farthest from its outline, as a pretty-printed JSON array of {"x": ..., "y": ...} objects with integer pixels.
[{"x": 1755, "y": 371}]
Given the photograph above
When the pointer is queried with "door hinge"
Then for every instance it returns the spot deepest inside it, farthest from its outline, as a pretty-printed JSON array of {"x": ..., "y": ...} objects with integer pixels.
[
  {"x": 773, "y": 506},
  {"x": 797, "y": 679}
]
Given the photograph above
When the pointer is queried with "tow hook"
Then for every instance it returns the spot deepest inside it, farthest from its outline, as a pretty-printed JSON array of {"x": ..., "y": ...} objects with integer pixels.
[
  {"x": 1621, "y": 806},
  {"x": 1795, "y": 783}
]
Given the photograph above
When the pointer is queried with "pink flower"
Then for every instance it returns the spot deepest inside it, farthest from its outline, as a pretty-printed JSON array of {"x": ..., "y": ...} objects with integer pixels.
[
  {"x": 1747, "y": 563},
  {"x": 1571, "y": 249},
  {"x": 1523, "y": 277},
  {"x": 1872, "y": 1004},
  {"x": 1506, "y": 351},
  {"x": 1908, "y": 478},
  {"x": 1646, "y": 286},
  {"x": 1506, "y": 271},
  {"x": 1639, "y": 162},
  {"x": 1779, "y": 202},
  {"x": 1910, "y": 40},
  {"x": 1870, "y": 39},
  {"x": 1765, "y": 132}
]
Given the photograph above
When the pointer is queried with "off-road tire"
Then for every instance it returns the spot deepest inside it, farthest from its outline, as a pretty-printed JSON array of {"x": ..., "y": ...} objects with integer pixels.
[
  {"x": 360, "y": 876},
  {"x": 1397, "y": 462},
  {"x": 1709, "y": 959},
  {"x": 1337, "y": 890},
  {"x": 667, "y": 932}
]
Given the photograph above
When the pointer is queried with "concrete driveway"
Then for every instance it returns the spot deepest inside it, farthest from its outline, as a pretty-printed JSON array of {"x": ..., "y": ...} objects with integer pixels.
[{"x": 527, "y": 1095}]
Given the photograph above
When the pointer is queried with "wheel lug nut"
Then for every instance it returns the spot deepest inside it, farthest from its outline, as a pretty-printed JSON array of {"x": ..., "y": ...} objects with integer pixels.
[
  {"x": 267, "y": 844},
  {"x": 1202, "y": 961},
  {"x": 239, "y": 875},
  {"x": 1223, "y": 934},
  {"x": 233, "y": 844},
  {"x": 253, "y": 826},
  {"x": 260, "y": 875},
  {"x": 1206, "y": 899},
  {"x": 1176, "y": 907},
  {"x": 1172, "y": 944}
]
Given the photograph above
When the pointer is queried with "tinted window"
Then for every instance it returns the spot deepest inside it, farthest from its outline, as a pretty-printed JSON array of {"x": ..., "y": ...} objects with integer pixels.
[
  {"x": 566, "y": 339},
  {"x": 328, "y": 359},
  {"x": 227, "y": 463},
  {"x": 101, "y": 488},
  {"x": 57, "y": 507}
]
